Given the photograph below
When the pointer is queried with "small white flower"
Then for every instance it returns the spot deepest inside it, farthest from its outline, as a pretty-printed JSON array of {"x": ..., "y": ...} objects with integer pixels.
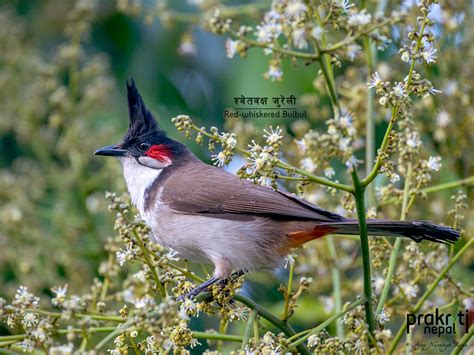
[
  {"x": 238, "y": 313},
  {"x": 429, "y": 55},
  {"x": 434, "y": 163},
  {"x": 274, "y": 73},
  {"x": 313, "y": 341},
  {"x": 124, "y": 255},
  {"x": 359, "y": 19},
  {"x": 29, "y": 320},
  {"x": 144, "y": 302},
  {"x": 268, "y": 339},
  {"x": 219, "y": 159},
  {"x": 399, "y": 90},
  {"x": 289, "y": 260},
  {"x": 352, "y": 162},
  {"x": 308, "y": 164},
  {"x": 318, "y": 32},
  {"x": 230, "y": 48},
  {"x": 329, "y": 172},
  {"x": 433, "y": 91},
  {"x": 302, "y": 145},
  {"x": 295, "y": 10},
  {"x": 413, "y": 140},
  {"x": 378, "y": 284},
  {"x": 383, "y": 317},
  {"x": 273, "y": 136},
  {"x": 267, "y": 32},
  {"x": 359, "y": 347},
  {"x": 27, "y": 345},
  {"x": 345, "y": 5},
  {"x": 24, "y": 298},
  {"x": 59, "y": 295},
  {"x": 406, "y": 56},
  {"x": 187, "y": 48},
  {"x": 298, "y": 38},
  {"x": 230, "y": 140},
  {"x": 189, "y": 307},
  {"x": 353, "y": 51},
  {"x": 394, "y": 178},
  {"x": 346, "y": 120},
  {"x": 194, "y": 342},
  {"x": 328, "y": 303},
  {"x": 344, "y": 144},
  {"x": 375, "y": 81},
  {"x": 140, "y": 276},
  {"x": 60, "y": 292},
  {"x": 62, "y": 349},
  {"x": 410, "y": 290},
  {"x": 171, "y": 255},
  {"x": 443, "y": 119},
  {"x": 451, "y": 87}
]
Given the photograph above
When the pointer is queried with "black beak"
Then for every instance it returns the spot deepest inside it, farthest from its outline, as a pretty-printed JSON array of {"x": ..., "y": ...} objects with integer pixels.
[{"x": 111, "y": 151}]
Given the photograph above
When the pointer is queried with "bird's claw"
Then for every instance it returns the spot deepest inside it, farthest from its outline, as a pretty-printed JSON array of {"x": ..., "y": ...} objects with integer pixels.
[{"x": 191, "y": 294}]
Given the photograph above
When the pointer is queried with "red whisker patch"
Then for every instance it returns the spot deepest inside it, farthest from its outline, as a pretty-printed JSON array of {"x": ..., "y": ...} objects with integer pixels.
[{"x": 159, "y": 152}]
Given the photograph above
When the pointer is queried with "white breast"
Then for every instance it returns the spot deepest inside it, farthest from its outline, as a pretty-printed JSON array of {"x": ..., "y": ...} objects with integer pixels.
[{"x": 138, "y": 179}]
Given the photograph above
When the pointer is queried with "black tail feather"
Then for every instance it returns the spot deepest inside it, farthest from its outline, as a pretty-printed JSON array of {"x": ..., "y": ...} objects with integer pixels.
[{"x": 415, "y": 230}]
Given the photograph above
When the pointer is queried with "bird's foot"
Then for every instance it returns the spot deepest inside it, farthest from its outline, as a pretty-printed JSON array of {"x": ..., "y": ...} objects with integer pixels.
[
  {"x": 198, "y": 289},
  {"x": 205, "y": 285}
]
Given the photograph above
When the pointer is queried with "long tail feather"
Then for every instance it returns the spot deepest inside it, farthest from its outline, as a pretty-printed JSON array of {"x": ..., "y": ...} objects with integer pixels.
[{"x": 415, "y": 230}]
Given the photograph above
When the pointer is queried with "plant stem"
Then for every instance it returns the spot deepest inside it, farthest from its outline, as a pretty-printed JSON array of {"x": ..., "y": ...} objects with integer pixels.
[
  {"x": 19, "y": 337},
  {"x": 336, "y": 282},
  {"x": 146, "y": 255},
  {"x": 119, "y": 330},
  {"x": 217, "y": 336},
  {"x": 283, "y": 326},
  {"x": 331, "y": 87},
  {"x": 288, "y": 293},
  {"x": 364, "y": 243},
  {"x": 449, "y": 185},
  {"x": 397, "y": 244},
  {"x": 463, "y": 342},
  {"x": 248, "y": 329},
  {"x": 102, "y": 317},
  {"x": 223, "y": 330},
  {"x": 317, "y": 179},
  {"x": 324, "y": 324},
  {"x": 370, "y": 124},
  {"x": 373, "y": 174},
  {"x": 428, "y": 292}
]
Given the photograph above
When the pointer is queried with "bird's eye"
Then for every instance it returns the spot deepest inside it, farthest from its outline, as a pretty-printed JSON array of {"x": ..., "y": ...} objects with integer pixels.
[{"x": 144, "y": 147}]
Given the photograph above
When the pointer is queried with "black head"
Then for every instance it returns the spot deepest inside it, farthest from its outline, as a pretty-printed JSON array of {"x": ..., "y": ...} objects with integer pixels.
[{"x": 143, "y": 141}]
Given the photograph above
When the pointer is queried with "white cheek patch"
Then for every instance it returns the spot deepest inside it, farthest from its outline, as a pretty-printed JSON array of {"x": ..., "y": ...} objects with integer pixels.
[{"x": 154, "y": 163}]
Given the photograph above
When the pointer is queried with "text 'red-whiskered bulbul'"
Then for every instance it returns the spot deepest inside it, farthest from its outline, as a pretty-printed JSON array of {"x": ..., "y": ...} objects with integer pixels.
[{"x": 211, "y": 216}]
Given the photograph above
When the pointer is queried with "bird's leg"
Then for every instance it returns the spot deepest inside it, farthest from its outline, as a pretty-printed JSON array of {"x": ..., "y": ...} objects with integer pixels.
[
  {"x": 202, "y": 287},
  {"x": 234, "y": 276}
]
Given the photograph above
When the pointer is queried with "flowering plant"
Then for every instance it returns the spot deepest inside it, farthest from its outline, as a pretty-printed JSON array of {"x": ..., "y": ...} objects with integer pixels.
[{"x": 373, "y": 67}]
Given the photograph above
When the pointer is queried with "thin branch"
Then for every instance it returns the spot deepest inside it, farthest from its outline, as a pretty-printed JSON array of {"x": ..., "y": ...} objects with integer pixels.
[
  {"x": 428, "y": 292},
  {"x": 323, "y": 325},
  {"x": 283, "y": 165}
]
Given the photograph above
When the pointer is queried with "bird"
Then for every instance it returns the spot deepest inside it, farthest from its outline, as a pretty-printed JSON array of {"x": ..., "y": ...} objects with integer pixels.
[{"x": 208, "y": 215}]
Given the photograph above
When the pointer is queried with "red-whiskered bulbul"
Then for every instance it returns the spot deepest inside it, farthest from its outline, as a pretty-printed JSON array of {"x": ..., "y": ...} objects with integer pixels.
[{"x": 209, "y": 215}]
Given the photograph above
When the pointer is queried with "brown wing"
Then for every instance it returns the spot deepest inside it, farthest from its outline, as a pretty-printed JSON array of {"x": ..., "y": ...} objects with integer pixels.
[{"x": 200, "y": 188}]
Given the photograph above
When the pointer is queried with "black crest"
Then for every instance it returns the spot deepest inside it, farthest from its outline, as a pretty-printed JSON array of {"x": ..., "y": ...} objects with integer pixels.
[{"x": 142, "y": 122}]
